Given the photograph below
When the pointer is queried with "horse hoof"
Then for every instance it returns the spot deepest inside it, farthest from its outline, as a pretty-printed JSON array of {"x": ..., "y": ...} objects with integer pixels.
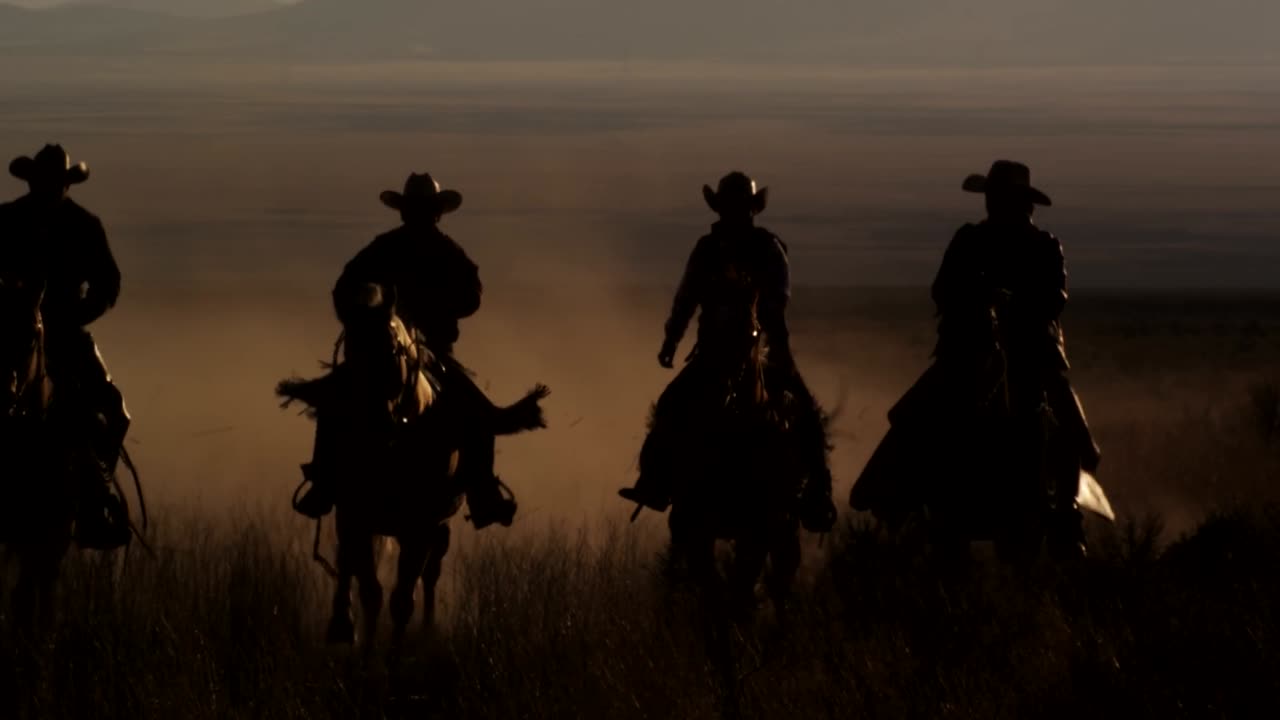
[{"x": 341, "y": 632}]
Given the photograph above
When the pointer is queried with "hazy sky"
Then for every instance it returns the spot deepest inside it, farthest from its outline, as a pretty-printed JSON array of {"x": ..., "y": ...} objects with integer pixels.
[
  {"x": 972, "y": 32},
  {"x": 234, "y": 184}
]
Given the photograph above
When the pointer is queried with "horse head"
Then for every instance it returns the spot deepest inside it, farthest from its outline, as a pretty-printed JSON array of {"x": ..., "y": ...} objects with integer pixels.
[
  {"x": 382, "y": 356},
  {"x": 25, "y": 385}
]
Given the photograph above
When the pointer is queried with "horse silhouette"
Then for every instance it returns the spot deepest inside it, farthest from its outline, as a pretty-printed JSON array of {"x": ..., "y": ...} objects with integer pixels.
[
  {"x": 740, "y": 475},
  {"x": 46, "y": 464},
  {"x": 399, "y": 440},
  {"x": 996, "y": 466}
]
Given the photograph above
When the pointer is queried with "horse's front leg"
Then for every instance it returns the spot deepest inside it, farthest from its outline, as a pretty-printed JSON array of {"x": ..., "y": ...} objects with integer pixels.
[
  {"x": 413, "y": 556},
  {"x": 39, "y": 565},
  {"x": 749, "y": 555},
  {"x": 366, "y": 575},
  {"x": 355, "y": 561},
  {"x": 431, "y": 573},
  {"x": 342, "y": 628},
  {"x": 784, "y": 565},
  {"x": 692, "y": 549}
]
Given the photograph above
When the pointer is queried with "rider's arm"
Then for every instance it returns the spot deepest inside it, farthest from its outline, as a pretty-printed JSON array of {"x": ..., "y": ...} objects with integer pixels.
[
  {"x": 953, "y": 285},
  {"x": 689, "y": 294},
  {"x": 102, "y": 274},
  {"x": 463, "y": 280},
  {"x": 370, "y": 265},
  {"x": 1053, "y": 285},
  {"x": 775, "y": 294}
]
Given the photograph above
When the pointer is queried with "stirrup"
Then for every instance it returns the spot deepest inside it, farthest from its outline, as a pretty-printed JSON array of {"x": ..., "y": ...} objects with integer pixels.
[
  {"x": 299, "y": 497},
  {"x": 498, "y": 508},
  {"x": 632, "y": 494}
]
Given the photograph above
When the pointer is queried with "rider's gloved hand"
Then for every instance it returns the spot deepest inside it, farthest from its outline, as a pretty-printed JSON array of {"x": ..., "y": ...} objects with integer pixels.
[{"x": 667, "y": 355}]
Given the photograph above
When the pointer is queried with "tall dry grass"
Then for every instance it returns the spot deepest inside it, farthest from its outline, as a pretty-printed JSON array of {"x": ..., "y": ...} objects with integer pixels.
[{"x": 225, "y": 622}]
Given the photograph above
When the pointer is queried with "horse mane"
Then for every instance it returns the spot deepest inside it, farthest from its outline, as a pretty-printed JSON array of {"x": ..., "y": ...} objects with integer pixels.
[{"x": 314, "y": 393}]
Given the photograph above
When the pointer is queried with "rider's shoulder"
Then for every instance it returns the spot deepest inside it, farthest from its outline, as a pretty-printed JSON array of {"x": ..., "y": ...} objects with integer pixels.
[
  {"x": 80, "y": 213},
  {"x": 1047, "y": 240},
  {"x": 771, "y": 240},
  {"x": 389, "y": 236},
  {"x": 968, "y": 234},
  {"x": 707, "y": 242}
]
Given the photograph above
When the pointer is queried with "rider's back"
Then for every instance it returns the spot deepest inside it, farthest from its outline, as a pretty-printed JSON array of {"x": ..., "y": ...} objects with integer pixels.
[
  {"x": 986, "y": 261},
  {"x": 436, "y": 284},
  {"x": 68, "y": 248}
]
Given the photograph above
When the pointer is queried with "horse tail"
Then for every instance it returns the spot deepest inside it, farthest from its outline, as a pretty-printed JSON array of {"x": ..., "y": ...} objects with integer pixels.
[{"x": 525, "y": 414}]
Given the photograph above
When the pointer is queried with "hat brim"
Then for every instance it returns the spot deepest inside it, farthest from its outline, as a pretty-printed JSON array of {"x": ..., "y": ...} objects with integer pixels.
[
  {"x": 445, "y": 201},
  {"x": 25, "y": 169},
  {"x": 759, "y": 201},
  {"x": 980, "y": 184}
]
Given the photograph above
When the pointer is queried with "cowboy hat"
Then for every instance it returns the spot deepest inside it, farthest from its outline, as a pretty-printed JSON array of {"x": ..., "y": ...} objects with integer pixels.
[
  {"x": 736, "y": 187},
  {"x": 51, "y": 163},
  {"x": 419, "y": 190},
  {"x": 1005, "y": 177}
]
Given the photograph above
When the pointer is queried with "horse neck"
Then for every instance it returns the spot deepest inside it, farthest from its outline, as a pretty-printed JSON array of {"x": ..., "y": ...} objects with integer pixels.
[
  {"x": 749, "y": 380},
  {"x": 36, "y": 387},
  {"x": 416, "y": 394}
]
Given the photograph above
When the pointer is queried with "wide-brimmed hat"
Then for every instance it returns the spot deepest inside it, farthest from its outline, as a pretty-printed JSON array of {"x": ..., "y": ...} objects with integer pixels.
[
  {"x": 1007, "y": 177},
  {"x": 736, "y": 187},
  {"x": 421, "y": 190},
  {"x": 53, "y": 164}
]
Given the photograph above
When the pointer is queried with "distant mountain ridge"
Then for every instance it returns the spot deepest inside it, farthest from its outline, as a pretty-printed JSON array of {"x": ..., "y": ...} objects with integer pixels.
[{"x": 946, "y": 32}]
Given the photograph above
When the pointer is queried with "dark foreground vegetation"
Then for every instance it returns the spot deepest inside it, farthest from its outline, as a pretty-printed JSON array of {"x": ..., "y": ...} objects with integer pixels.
[
  {"x": 227, "y": 620},
  {"x": 226, "y": 624}
]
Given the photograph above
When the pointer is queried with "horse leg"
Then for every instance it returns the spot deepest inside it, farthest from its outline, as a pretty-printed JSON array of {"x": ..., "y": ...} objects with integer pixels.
[
  {"x": 413, "y": 556},
  {"x": 431, "y": 574},
  {"x": 692, "y": 547},
  {"x": 355, "y": 561},
  {"x": 39, "y": 565},
  {"x": 366, "y": 575},
  {"x": 784, "y": 565},
  {"x": 749, "y": 556},
  {"x": 342, "y": 628},
  {"x": 949, "y": 551}
]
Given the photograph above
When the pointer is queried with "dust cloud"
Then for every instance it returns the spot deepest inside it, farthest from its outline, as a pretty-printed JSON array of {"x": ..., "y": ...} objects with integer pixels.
[{"x": 233, "y": 196}]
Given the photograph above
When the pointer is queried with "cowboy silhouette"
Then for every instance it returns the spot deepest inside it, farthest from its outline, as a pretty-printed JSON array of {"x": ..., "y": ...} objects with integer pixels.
[
  {"x": 45, "y": 234},
  {"x": 1005, "y": 261},
  {"x": 736, "y": 263},
  {"x": 436, "y": 285}
]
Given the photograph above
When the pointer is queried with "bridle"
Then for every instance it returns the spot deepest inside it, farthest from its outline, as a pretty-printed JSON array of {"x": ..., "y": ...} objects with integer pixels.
[{"x": 37, "y": 375}]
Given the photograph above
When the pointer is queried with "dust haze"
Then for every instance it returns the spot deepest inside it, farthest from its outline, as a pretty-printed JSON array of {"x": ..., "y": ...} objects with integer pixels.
[{"x": 234, "y": 192}]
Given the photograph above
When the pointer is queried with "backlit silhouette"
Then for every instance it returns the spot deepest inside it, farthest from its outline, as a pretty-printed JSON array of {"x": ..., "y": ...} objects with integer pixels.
[{"x": 991, "y": 441}]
